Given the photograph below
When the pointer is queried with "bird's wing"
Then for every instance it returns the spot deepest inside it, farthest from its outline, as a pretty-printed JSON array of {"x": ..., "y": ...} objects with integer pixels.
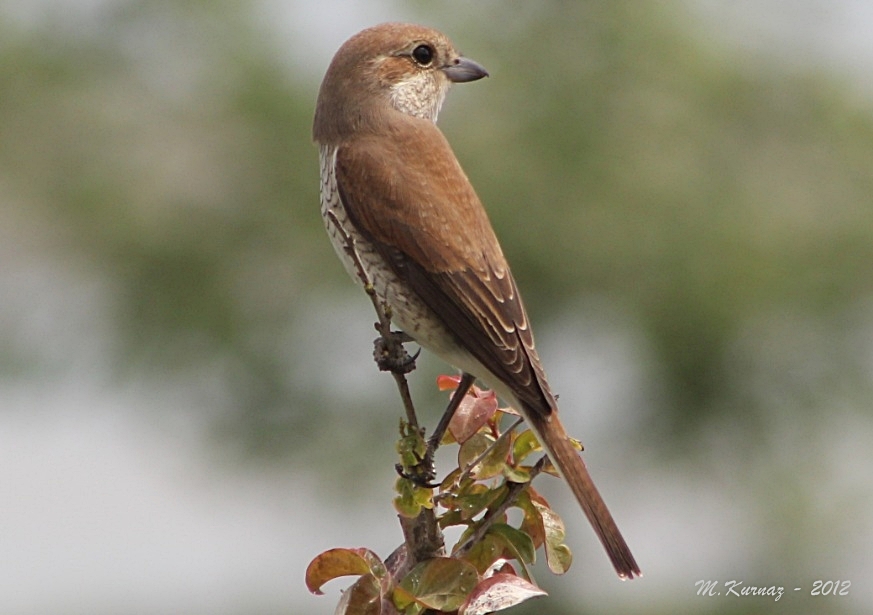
[{"x": 408, "y": 194}]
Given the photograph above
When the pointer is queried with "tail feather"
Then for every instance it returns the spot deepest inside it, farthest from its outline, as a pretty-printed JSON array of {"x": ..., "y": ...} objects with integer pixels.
[{"x": 569, "y": 463}]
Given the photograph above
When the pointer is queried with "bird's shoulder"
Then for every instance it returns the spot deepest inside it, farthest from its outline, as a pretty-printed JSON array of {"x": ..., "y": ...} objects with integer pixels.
[{"x": 405, "y": 187}]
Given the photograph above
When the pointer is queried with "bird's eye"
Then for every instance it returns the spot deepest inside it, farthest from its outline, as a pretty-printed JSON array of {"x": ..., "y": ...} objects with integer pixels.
[{"x": 423, "y": 54}]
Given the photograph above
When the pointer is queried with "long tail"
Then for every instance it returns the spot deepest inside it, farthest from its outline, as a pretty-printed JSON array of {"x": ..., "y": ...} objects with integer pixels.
[{"x": 569, "y": 463}]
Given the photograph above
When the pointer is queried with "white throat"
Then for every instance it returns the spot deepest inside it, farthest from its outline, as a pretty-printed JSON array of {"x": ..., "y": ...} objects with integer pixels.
[{"x": 419, "y": 96}]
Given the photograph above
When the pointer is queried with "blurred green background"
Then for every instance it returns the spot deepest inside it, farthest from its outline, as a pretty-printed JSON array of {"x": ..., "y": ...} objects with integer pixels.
[{"x": 188, "y": 406}]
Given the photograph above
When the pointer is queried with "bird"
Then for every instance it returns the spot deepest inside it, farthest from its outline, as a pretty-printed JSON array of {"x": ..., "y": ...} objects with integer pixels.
[{"x": 399, "y": 208}]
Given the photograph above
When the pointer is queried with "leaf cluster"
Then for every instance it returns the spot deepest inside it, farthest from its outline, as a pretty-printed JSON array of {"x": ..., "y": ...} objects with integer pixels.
[{"x": 488, "y": 569}]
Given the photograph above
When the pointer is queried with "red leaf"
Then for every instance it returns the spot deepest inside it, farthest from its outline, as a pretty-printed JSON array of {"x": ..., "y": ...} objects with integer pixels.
[
  {"x": 474, "y": 411},
  {"x": 497, "y": 593},
  {"x": 362, "y": 598},
  {"x": 448, "y": 383}
]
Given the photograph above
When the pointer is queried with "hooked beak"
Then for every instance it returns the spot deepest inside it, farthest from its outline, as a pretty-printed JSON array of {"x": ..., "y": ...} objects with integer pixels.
[{"x": 463, "y": 70}]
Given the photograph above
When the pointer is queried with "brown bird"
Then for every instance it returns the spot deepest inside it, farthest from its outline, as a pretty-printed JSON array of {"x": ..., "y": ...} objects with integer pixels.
[{"x": 392, "y": 187}]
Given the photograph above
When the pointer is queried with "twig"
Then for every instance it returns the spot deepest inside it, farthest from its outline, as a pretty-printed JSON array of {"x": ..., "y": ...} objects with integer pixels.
[
  {"x": 422, "y": 534},
  {"x": 469, "y": 469},
  {"x": 514, "y": 491},
  {"x": 464, "y": 385}
]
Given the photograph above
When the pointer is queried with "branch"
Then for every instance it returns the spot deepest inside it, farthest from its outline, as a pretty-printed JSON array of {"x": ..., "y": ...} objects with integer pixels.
[
  {"x": 423, "y": 537},
  {"x": 514, "y": 491}
]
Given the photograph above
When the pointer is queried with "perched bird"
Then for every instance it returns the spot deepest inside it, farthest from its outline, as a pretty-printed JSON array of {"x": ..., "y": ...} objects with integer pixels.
[{"x": 392, "y": 188}]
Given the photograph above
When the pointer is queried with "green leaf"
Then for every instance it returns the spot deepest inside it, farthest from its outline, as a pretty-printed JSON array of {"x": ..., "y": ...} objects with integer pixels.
[
  {"x": 558, "y": 555},
  {"x": 422, "y": 496},
  {"x": 518, "y": 543},
  {"x": 559, "y": 558},
  {"x": 471, "y": 504},
  {"x": 411, "y": 446},
  {"x": 342, "y": 562},
  {"x": 442, "y": 583},
  {"x": 517, "y": 474},
  {"x": 525, "y": 444},
  {"x": 495, "y": 451},
  {"x": 485, "y": 552},
  {"x": 452, "y": 517},
  {"x": 402, "y": 598},
  {"x": 411, "y": 498}
]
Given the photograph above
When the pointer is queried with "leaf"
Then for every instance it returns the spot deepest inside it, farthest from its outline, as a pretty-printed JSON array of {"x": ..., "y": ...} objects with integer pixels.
[
  {"x": 485, "y": 552},
  {"x": 532, "y": 524},
  {"x": 475, "y": 410},
  {"x": 342, "y": 562},
  {"x": 519, "y": 544},
  {"x": 411, "y": 446},
  {"x": 402, "y": 599},
  {"x": 517, "y": 474},
  {"x": 499, "y": 592},
  {"x": 364, "y": 597},
  {"x": 476, "y": 500},
  {"x": 500, "y": 565},
  {"x": 411, "y": 498},
  {"x": 449, "y": 481},
  {"x": 558, "y": 555},
  {"x": 525, "y": 444},
  {"x": 550, "y": 469},
  {"x": 449, "y": 497},
  {"x": 559, "y": 558},
  {"x": 494, "y": 461},
  {"x": 452, "y": 517},
  {"x": 509, "y": 411},
  {"x": 448, "y": 383},
  {"x": 441, "y": 583}
]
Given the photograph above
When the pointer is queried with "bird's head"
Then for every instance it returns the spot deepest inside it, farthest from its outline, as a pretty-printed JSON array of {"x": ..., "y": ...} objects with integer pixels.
[{"x": 392, "y": 66}]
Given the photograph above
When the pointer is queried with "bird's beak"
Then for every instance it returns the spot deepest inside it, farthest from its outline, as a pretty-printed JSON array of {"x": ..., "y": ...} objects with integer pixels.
[{"x": 463, "y": 70}]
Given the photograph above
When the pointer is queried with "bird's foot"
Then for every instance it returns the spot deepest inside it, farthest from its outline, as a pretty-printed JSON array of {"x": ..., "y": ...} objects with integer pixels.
[
  {"x": 422, "y": 475},
  {"x": 391, "y": 356}
]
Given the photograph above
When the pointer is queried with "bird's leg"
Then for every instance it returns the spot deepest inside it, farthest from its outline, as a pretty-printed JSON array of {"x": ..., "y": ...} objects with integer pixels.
[{"x": 391, "y": 356}]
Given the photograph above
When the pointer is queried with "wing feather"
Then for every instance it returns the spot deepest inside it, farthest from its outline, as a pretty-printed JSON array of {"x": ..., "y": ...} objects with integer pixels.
[{"x": 411, "y": 199}]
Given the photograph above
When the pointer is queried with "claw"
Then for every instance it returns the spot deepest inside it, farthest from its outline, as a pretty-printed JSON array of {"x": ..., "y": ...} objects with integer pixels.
[
  {"x": 411, "y": 360},
  {"x": 421, "y": 480}
]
